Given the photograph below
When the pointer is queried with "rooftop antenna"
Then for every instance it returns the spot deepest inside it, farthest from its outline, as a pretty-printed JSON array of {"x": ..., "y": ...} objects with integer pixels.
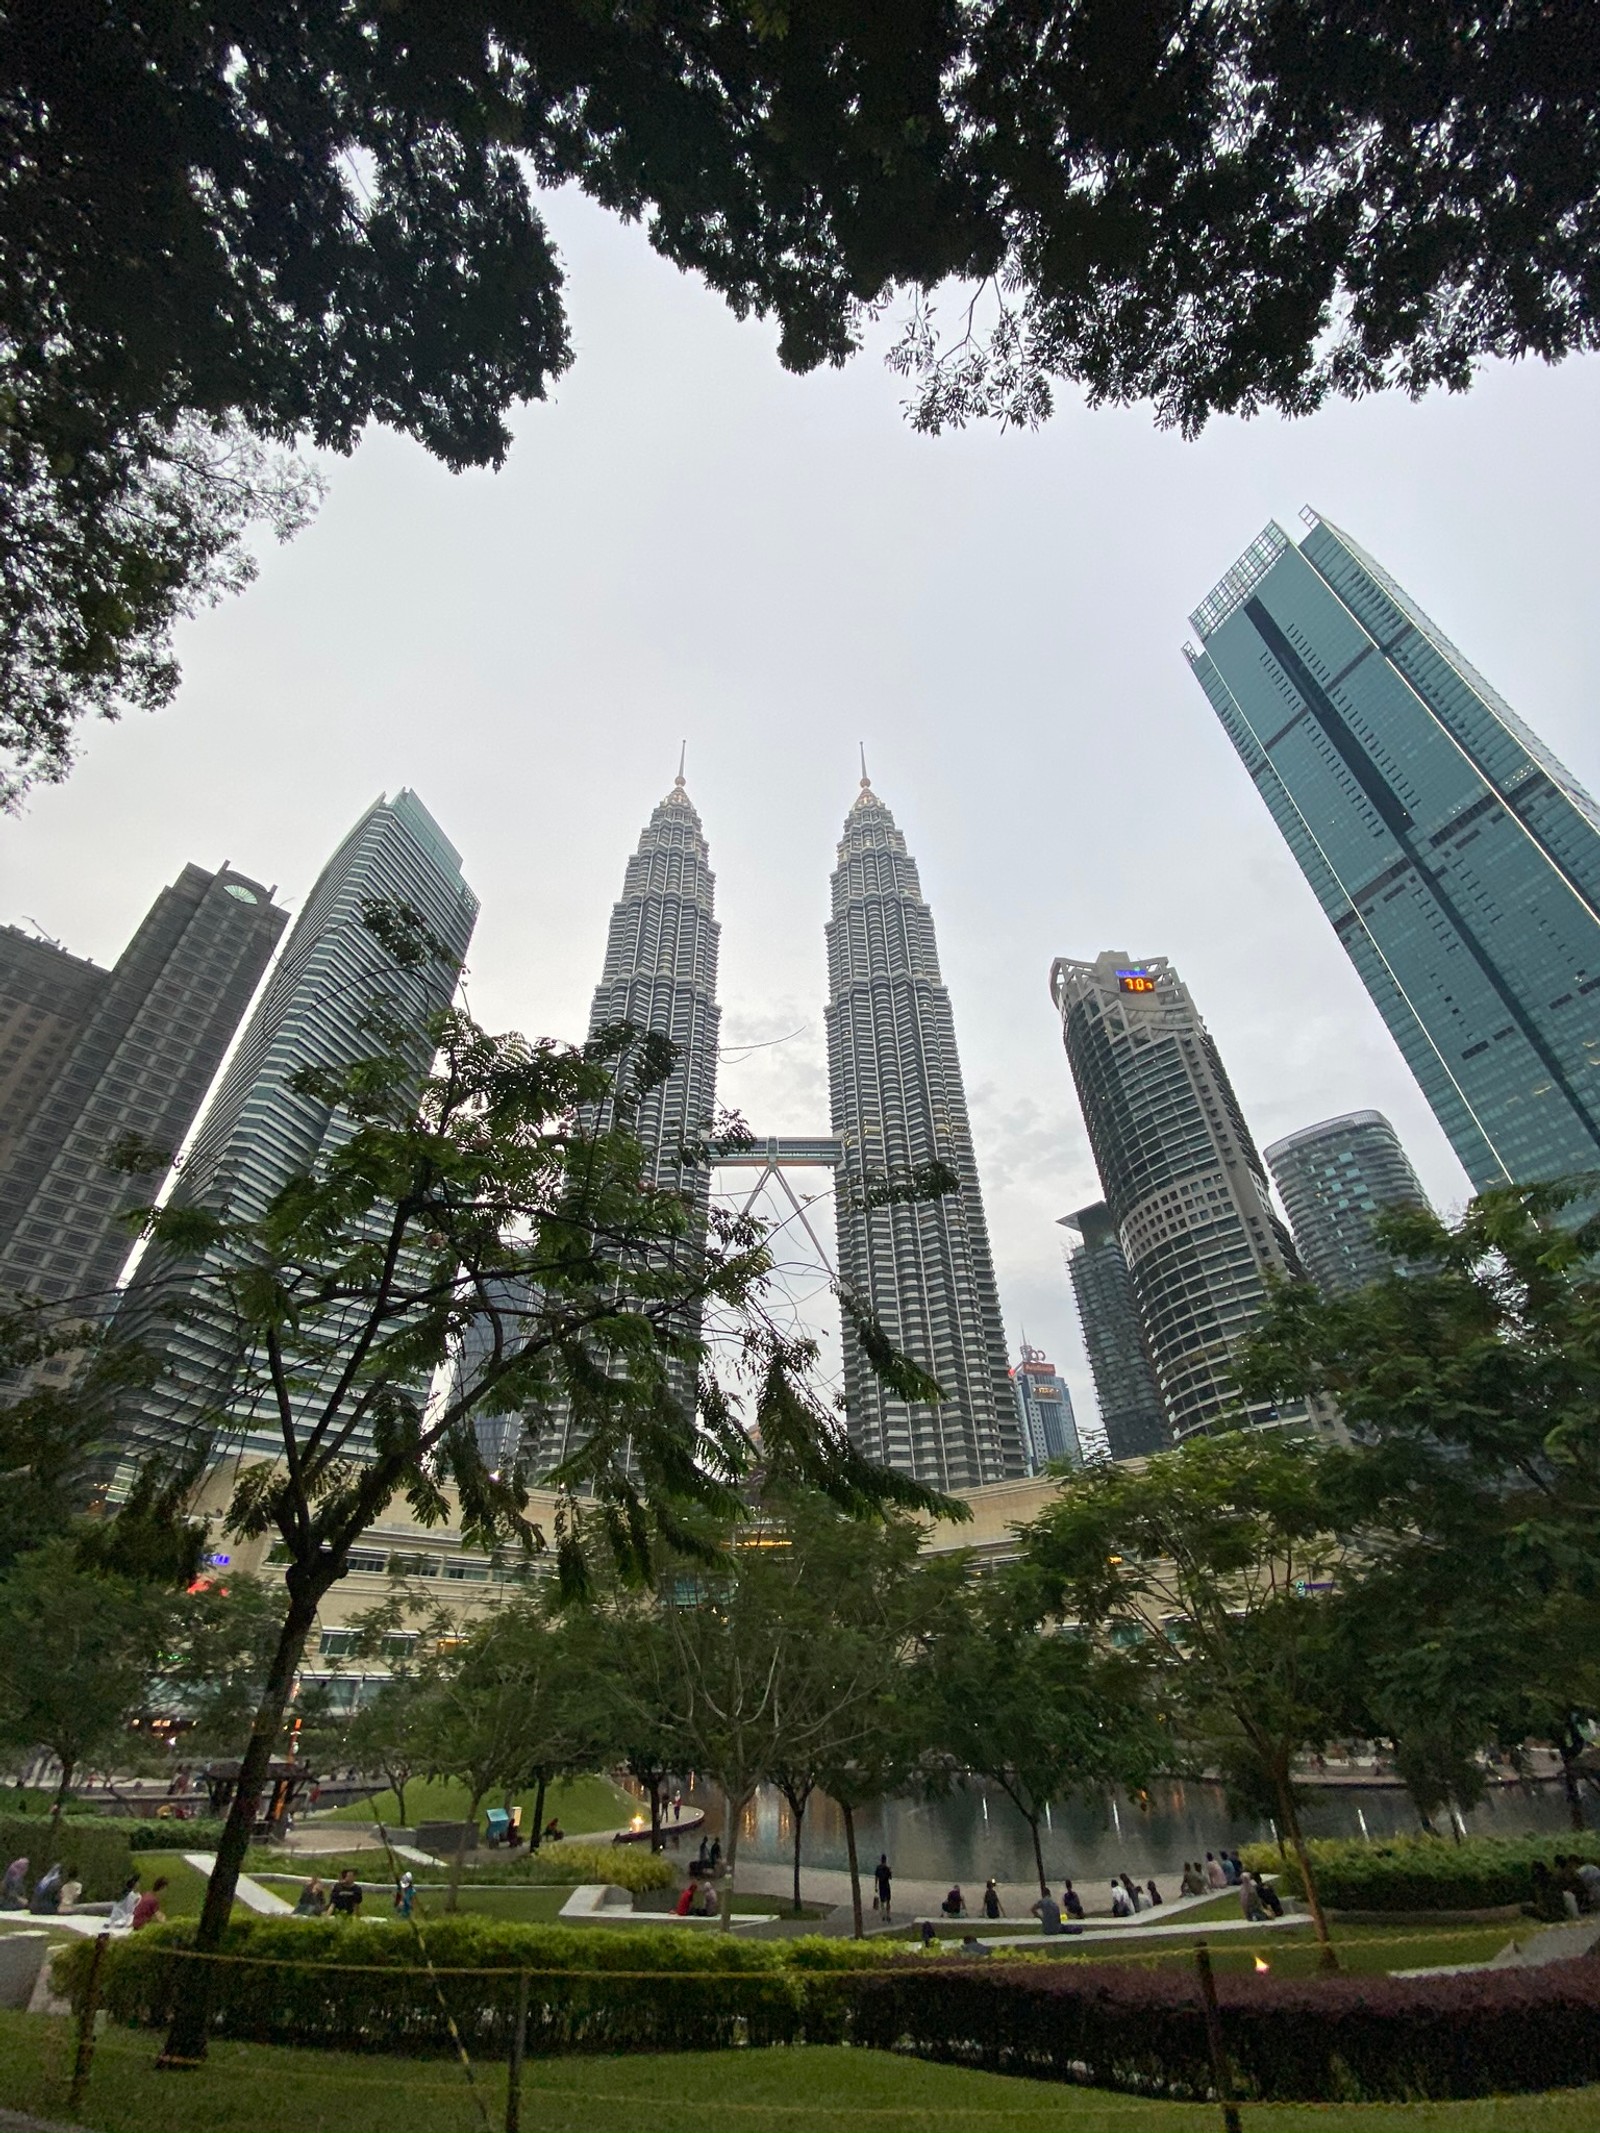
[
  {"x": 49, "y": 939},
  {"x": 865, "y": 780},
  {"x": 683, "y": 751}
]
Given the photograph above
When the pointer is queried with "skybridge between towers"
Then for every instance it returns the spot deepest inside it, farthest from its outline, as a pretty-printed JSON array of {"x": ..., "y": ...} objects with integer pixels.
[{"x": 773, "y": 1156}]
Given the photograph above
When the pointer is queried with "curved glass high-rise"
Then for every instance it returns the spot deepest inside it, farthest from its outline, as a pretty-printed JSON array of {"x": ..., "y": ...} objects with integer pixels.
[
  {"x": 1185, "y": 1188},
  {"x": 923, "y": 1268},
  {"x": 260, "y": 1130},
  {"x": 1335, "y": 1179},
  {"x": 1457, "y": 860}
]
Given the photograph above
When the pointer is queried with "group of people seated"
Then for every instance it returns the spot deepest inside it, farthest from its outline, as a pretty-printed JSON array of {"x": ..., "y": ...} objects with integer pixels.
[{"x": 58, "y": 1890}]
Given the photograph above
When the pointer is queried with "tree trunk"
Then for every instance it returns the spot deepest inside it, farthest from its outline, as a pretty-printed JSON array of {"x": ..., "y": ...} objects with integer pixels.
[
  {"x": 1038, "y": 1855},
  {"x": 191, "y": 2022},
  {"x": 735, "y": 1812},
  {"x": 397, "y": 1785},
  {"x": 1327, "y": 1957},
  {"x": 66, "y": 1786},
  {"x": 537, "y": 1837},
  {"x": 657, "y": 1841},
  {"x": 798, "y": 1810},
  {"x": 468, "y": 1828},
  {"x": 849, "y": 1814}
]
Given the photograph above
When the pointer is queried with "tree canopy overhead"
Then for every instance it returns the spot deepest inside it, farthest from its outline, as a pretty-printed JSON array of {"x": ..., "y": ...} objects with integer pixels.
[{"x": 276, "y": 219}]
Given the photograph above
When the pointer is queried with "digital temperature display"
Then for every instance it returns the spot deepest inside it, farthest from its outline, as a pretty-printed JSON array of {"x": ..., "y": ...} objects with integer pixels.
[{"x": 1135, "y": 981}]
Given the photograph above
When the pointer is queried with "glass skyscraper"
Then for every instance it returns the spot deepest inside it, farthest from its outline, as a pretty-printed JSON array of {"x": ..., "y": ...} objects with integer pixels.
[
  {"x": 1185, "y": 1187},
  {"x": 260, "y": 1130},
  {"x": 1044, "y": 1408},
  {"x": 1334, "y": 1179},
  {"x": 103, "y": 1054},
  {"x": 1125, "y": 1389},
  {"x": 922, "y": 1267},
  {"x": 1457, "y": 860}
]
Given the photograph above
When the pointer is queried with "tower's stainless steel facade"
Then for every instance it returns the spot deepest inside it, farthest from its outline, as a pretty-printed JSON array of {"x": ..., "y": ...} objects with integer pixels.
[
  {"x": 923, "y": 1268},
  {"x": 660, "y": 975}
]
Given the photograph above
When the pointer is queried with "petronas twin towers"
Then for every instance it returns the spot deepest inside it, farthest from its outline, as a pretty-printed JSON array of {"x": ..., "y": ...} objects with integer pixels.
[{"x": 923, "y": 1268}]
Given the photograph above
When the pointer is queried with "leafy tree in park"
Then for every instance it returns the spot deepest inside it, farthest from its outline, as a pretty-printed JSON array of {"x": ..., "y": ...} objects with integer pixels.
[
  {"x": 279, "y": 221},
  {"x": 512, "y": 1201},
  {"x": 1040, "y": 1712},
  {"x": 78, "y": 1650},
  {"x": 1223, "y": 1555},
  {"x": 626, "y": 1644},
  {"x": 1471, "y": 1376}
]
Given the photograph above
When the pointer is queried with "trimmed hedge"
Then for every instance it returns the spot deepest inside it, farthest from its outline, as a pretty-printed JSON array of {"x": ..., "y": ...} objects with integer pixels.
[
  {"x": 1323, "y": 2040},
  {"x": 173, "y": 1836},
  {"x": 1426, "y": 1873},
  {"x": 96, "y": 1845},
  {"x": 760, "y": 1993},
  {"x": 625, "y": 1866}
]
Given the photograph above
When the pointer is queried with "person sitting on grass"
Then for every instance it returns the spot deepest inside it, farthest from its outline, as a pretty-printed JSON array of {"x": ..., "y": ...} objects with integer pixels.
[
  {"x": 1193, "y": 1882},
  {"x": 1250, "y": 1900},
  {"x": 1071, "y": 1901},
  {"x": 313, "y": 1899},
  {"x": 345, "y": 1901},
  {"x": 955, "y": 1904},
  {"x": 710, "y": 1901},
  {"x": 1271, "y": 1901},
  {"x": 1153, "y": 1893},
  {"x": 71, "y": 1891},
  {"x": 1048, "y": 1913},
  {"x": 14, "y": 1887},
  {"x": 147, "y": 1911},
  {"x": 121, "y": 1914},
  {"x": 1120, "y": 1906},
  {"x": 47, "y": 1891},
  {"x": 685, "y": 1903}
]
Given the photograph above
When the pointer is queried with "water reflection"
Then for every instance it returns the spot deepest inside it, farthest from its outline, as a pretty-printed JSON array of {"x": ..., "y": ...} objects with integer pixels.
[{"x": 977, "y": 1832}]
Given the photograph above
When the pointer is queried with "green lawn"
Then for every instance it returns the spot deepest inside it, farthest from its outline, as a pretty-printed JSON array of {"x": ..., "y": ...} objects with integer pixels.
[
  {"x": 815, "y": 2090},
  {"x": 185, "y": 1890},
  {"x": 580, "y": 1805}
]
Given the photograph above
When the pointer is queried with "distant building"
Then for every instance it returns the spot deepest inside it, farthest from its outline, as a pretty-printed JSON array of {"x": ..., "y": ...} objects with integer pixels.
[
  {"x": 1186, "y": 1190},
  {"x": 1334, "y": 1180},
  {"x": 1044, "y": 1407},
  {"x": 1457, "y": 860},
  {"x": 90, "y": 1057},
  {"x": 923, "y": 1267},
  {"x": 260, "y": 1130},
  {"x": 1131, "y": 1413}
]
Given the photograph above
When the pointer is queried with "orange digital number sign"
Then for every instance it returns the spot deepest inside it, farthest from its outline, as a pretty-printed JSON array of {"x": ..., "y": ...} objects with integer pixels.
[{"x": 1135, "y": 981}]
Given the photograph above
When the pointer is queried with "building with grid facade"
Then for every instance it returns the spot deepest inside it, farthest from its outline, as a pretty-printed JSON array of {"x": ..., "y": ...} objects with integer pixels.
[
  {"x": 1457, "y": 860},
  {"x": 1334, "y": 1180},
  {"x": 660, "y": 975},
  {"x": 1125, "y": 1389},
  {"x": 95, "y": 1057},
  {"x": 260, "y": 1130},
  {"x": 1044, "y": 1408},
  {"x": 1185, "y": 1188},
  {"x": 923, "y": 1268}
]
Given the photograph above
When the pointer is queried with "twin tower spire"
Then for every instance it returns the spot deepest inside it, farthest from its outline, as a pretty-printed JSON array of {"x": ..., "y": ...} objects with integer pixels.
[{"x": 923, "y": 1268}]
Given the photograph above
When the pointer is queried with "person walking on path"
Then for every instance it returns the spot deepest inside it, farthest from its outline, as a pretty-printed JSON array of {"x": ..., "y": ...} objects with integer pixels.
[
  {"x": 883, "y": 1882},
  {"x": 991, "y": 1899},
  {"x": 405, "y": 1896}
]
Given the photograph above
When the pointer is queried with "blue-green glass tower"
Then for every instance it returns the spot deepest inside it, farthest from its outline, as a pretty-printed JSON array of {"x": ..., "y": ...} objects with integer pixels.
[{"x": 1457, "y": 860}]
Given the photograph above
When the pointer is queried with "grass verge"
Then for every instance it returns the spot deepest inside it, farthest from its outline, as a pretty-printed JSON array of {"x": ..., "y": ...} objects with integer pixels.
[
  {"x": 812, "y": 2090},
  {"x": 580, "y": 1805}
]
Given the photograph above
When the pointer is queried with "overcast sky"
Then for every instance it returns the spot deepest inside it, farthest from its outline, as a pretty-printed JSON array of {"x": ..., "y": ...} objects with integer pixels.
[{"x": 687, "y": 543}]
